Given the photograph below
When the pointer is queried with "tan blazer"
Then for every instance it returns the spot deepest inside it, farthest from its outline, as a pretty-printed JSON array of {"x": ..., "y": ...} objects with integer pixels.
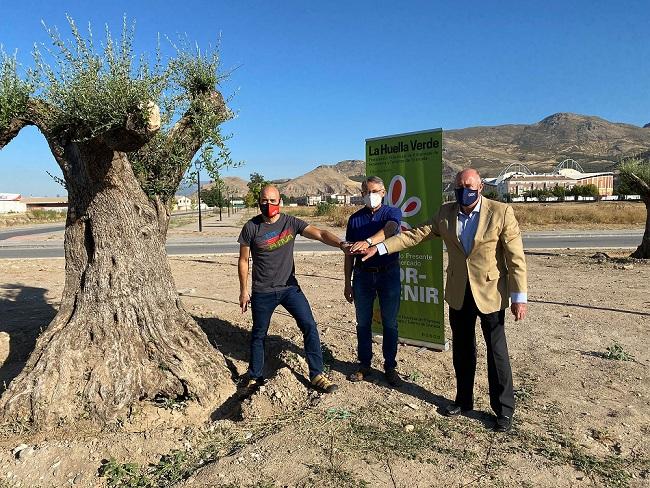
[{"x": 496, "y": 265}]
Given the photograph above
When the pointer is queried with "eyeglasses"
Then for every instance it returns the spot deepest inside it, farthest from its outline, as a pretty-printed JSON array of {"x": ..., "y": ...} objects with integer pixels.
[{"x": 366, "y": 192}]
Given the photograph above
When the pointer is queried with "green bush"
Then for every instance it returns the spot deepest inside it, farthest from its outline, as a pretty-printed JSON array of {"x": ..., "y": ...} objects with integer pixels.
[
  {"x": 324, "y": 208},
  {"x": 584, "y": 191}
]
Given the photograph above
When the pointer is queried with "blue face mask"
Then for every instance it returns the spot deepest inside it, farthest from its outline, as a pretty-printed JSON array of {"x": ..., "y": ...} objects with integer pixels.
[{"x": 466, "y": 196}]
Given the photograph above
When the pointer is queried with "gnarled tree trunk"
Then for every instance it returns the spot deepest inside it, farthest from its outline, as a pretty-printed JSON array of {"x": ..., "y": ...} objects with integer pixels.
[
  {"x": 643, "y": 251},
  {"x": 121, "y": 334}
]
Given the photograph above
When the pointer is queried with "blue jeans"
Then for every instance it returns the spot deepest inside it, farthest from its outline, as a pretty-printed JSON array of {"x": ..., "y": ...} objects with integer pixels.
[
  {"x": 367, "y": 285},
  {"x": 295, "y": 302}
]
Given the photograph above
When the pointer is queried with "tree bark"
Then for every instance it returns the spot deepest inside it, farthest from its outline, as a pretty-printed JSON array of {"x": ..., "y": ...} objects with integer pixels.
[
  {"x": 121, "y": 335},
  {"x": 643, "y": 251}
]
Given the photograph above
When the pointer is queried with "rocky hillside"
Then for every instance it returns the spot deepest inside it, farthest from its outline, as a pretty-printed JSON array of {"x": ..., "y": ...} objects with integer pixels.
[
  {"x": 335, "y": 178},
  {"x": 236, "y": 185},
  {"x": 595, "y": 143}
]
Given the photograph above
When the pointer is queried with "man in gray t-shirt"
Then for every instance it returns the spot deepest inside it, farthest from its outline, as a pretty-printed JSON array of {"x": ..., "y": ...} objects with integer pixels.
[
  {"x": 269, "y": 238},
  {"x": 271, "y": 244}
]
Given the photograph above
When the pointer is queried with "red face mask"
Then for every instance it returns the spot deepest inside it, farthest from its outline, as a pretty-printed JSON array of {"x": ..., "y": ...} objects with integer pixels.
[{"x": 269, "y": 209}]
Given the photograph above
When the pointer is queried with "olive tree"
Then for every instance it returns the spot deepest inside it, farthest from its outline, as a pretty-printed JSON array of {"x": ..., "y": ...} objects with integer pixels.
[
  {"x": 123, "y": 131},
  {"x": 635, "y": 174}
]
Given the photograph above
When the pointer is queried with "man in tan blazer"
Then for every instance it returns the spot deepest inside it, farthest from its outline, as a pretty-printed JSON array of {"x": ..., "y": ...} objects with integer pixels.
[{"x": 487, "y": 270}]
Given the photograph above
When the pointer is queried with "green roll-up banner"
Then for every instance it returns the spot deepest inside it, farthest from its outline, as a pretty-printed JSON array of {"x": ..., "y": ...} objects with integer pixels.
[{"x": 411, "y": 167}]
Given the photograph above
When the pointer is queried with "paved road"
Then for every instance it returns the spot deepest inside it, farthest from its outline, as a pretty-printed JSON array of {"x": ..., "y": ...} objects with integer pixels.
[
  {"x": 218, "y": 245},
  {"x": 31, "y": 230}
]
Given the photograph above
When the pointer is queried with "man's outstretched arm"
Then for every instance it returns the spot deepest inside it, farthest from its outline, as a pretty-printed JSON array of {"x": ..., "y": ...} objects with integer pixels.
[{"x": 325, "y": 236}]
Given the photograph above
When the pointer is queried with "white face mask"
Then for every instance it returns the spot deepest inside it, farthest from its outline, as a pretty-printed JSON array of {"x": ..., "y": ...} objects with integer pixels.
[{"x": 372, "y": 200}]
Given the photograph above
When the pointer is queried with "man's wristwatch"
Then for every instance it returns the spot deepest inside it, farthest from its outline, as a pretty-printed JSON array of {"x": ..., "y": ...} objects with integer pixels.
[{"x": 369, "y": 241}]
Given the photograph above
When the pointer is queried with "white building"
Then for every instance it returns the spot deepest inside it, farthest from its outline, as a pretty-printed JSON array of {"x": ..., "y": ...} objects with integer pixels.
[
  {"x": 517, "y": 179},
  {"x": 338, "y": 198},
  {"x": 11, "y": 203},
  {"x": 182, "y": 202},
  {"x": 310, "y": 200}
]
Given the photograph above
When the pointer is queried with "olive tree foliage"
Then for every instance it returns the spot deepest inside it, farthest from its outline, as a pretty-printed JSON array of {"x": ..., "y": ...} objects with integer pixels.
[
  {"x": 124, "y": 130},
  {"x": 14, "y": 96},
  {"x": 94, "y": 91},
  {"x": 635, "y": 176}
]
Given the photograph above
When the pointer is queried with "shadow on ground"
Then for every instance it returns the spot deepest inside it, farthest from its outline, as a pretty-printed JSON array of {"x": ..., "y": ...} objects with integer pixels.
[
  {"x": 233, "y": 342},
  {"x": 24, "y": 314}
]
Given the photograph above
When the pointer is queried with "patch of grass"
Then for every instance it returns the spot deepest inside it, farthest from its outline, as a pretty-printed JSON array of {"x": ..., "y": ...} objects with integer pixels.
[
  {"x": 328, "y": 358},
  {"x": 526, "y": 388},
  {"x": 180, "y": 464},
  {"x": 181, "y": 221},
  {"x": 122, "y": 474},
  {"x": 580, "y": 215},
  {"x": 336, "y": 413},
  {"x": 382, "y": 433},
  {"x": 335, "y": 215},
  {"x": 32, "y": 217},
  {"x": 300, "y": 211},
  {"x": 171, "y": 403},
  {"x": 414, "y": 376},
  {"x": 561, "y": 448},
  {"x": 615, "y": 352},
  {"x": 257, "y": 484},
  {"x": 332, "y": 477}
]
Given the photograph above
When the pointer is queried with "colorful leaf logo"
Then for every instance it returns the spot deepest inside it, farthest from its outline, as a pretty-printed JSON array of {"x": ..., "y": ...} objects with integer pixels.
[{"x": 395, "y": 198}]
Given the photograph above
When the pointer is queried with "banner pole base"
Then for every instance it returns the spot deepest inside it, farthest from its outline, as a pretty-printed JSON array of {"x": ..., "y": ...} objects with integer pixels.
[{"x": 378, "y": 338}]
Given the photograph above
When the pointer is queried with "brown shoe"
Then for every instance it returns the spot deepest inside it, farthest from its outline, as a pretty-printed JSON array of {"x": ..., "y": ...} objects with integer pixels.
[
  {"x": 322, "y": 384},
  {"x": 360, "y": 374},
  {"x": 393, "y": 378}
]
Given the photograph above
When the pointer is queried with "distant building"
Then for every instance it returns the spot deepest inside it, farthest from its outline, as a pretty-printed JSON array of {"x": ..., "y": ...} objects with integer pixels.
[
  {"x": 339, "y": 199},
  {"x": 55, "y": 204},
  {"x": 11, "y": 203},
  {"x": 309, "y": 200},
  {"x": 181, "y": 203},
  {"x": 517, "y": 179},
  {"x": 356, "y": 200}
]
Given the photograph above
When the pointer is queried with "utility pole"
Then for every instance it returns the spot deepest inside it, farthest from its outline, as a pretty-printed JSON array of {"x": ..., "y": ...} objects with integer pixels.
[
  {"x": 219, "y": 197},
  {"x": 198, "y": 182}
]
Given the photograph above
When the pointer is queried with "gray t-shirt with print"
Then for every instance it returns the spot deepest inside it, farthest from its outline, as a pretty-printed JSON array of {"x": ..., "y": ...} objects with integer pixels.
[{"x": 271, "y": 246}]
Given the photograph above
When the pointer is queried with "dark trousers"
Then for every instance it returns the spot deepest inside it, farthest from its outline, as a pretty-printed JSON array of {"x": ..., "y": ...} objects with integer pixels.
[
  {"x": 463, "y": 325},
  {"x": 385, "y": 285},
  {"x": 295, "y": 302}
]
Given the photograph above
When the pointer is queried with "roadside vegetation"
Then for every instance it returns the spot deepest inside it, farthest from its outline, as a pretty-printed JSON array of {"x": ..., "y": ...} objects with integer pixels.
[
  {"x": 530, "y": 215},
  {"x": 578, "y": 215},
  {"x": 31, "y": 217}
]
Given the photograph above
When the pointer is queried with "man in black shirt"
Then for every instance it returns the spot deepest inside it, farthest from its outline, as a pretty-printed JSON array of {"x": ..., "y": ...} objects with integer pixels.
[{"x": 270, "y": 238}]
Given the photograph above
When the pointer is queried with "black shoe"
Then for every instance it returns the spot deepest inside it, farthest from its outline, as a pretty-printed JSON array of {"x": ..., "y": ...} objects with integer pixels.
[
  {"x": 503, "y": 423},
  {"x": 248, "y": 386},
  {"x": 393, "y": 378},
  {"x": 453, "y": 410}
]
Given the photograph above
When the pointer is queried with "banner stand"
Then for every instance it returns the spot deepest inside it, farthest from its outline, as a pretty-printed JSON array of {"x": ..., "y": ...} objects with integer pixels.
[{"x": 410, "y": 165}]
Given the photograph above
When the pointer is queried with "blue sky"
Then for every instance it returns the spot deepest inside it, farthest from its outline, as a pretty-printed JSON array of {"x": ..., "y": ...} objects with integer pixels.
[{"x": 313, "y": 80}]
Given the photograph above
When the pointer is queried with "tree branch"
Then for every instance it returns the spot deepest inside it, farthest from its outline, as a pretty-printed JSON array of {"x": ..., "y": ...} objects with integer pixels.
[
  {"x": 639, "y": 181},
  {"x": 184, "y": 139},
  {"x": 8, "y": 133},
  {"x": 36, "y": 114}
]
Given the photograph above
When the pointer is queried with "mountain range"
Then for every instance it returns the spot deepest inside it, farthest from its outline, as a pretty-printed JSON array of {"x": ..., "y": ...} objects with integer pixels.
[{"x": 595, "y": 143}]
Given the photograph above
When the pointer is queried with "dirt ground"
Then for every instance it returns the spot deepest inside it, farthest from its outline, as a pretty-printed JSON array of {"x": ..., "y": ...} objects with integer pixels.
[{"x": 582, "y": 419}]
